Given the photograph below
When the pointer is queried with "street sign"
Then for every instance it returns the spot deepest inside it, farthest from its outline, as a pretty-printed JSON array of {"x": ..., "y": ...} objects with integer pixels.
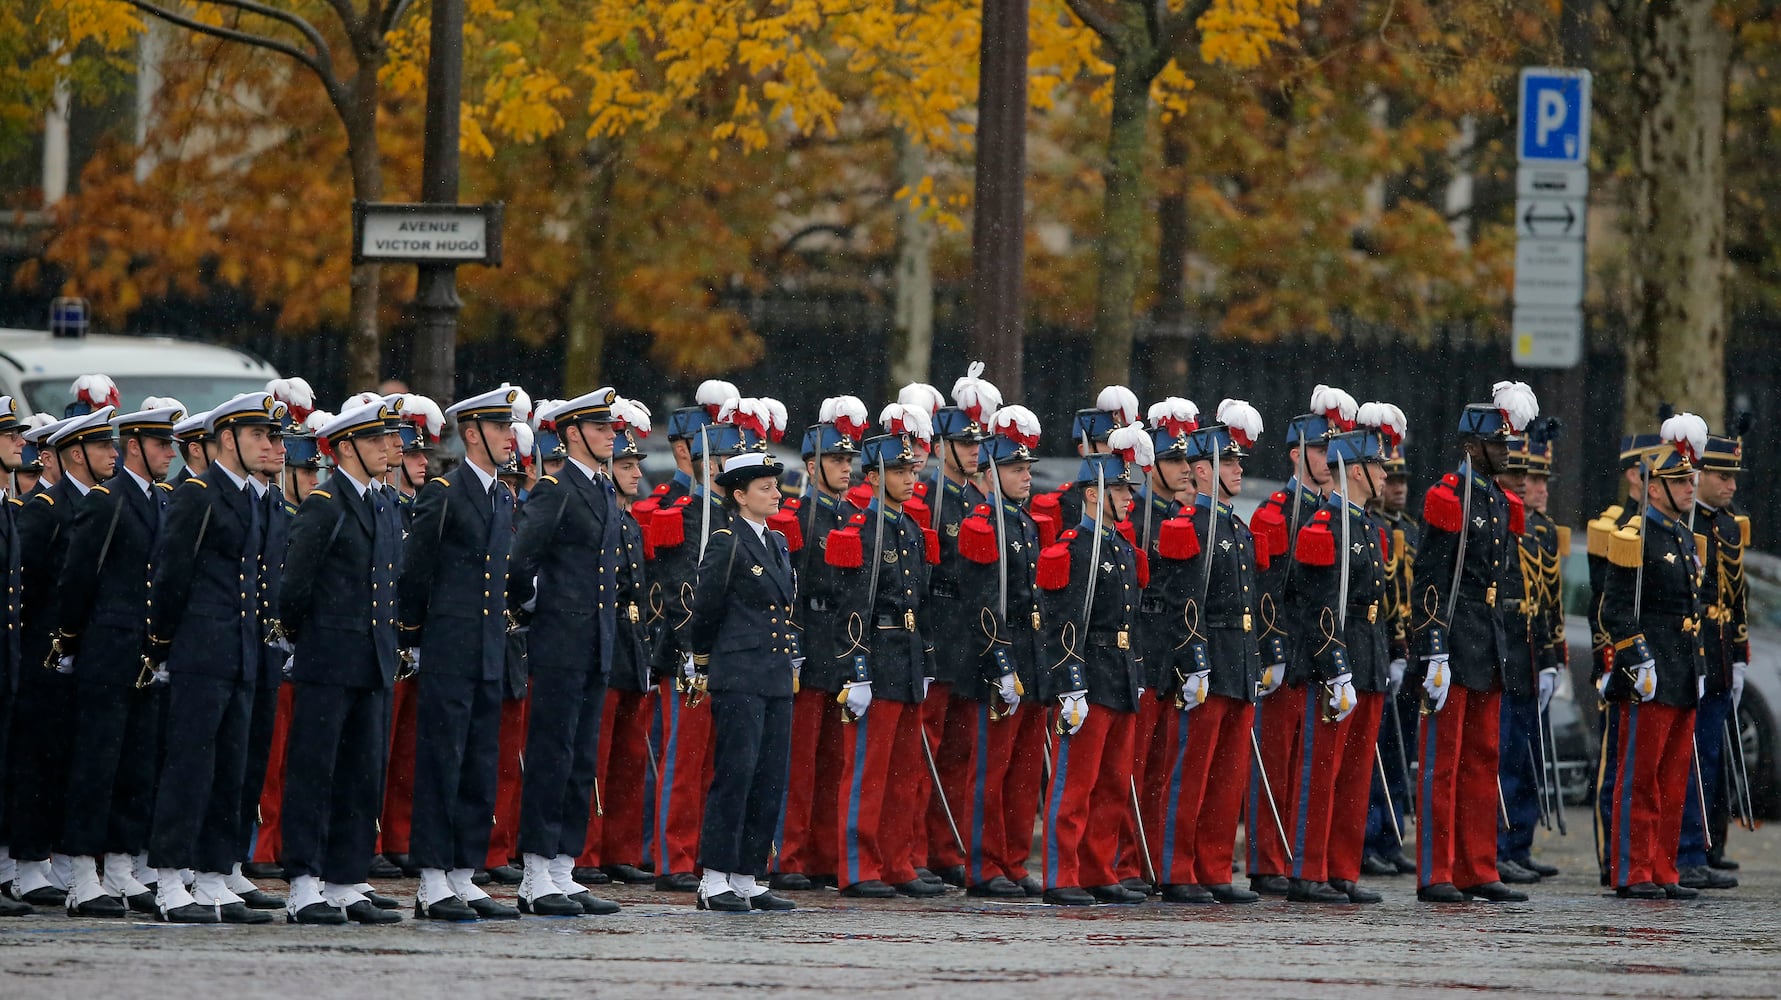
[
  {"x": 388, "y": 232},
  {"x": 1547, "y": 338},
  {"x": 1554, "y": 116},
  {"x": 1548, "y": 272},
  {"x": 1550, "y": 218},
  {"x": 1532, "y": 181}
]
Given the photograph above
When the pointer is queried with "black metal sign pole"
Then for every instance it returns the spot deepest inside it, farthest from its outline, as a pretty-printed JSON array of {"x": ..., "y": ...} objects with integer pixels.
[{"x": 436, "y": 294}]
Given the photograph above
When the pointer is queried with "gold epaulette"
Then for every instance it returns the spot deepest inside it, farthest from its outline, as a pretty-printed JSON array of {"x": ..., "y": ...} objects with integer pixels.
[
  {"x": 199, "y": 481},
  {"x": 324, "y": 494},
  {"x": 101, "y": 489},
  {"x": 164, "y": 486},
  {"x": 1564, "y": 541},
  {"x": 1601, "y": 529},
  {"x": 441, "y": 480},
  {"x": 16, "y": 501},
  {"x": 1625, "y": 548},
  {"x": 1700, "y": 545},
  {"x": 548, "y": 479},
  {"x": 46, "y": 498},
  {"x": 720, "y": 531},
  {"x": 1743, "y": 529}
]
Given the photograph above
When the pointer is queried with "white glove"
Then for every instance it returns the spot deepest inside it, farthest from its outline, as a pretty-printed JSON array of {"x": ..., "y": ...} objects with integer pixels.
[
  {"x": 1009, "y": 690},
  {"x": 1193, "y": 689},
  {"x": 289, "y": 662},
  {"x": 65, "y": 665},
  {"x": 1645, "y": 680},
  {"x": 162, "y": 676},
  {"x": 1437, "y": 682},
  {"x": 281, "y": 646},
  {"x": 414, "y": 657},
  {"x": 857, "y": 697},
  {"x": 1548, "y": 680},
  {"x": 1739, "y": 669},
  {"x": 1272, "y": 678},
  {"x": 687, "y": 670},
  {"x": 1342, "y": 699},
  {"x": 1700, "y": 688},
  {"x": 925, "y": 682},
  {"x": 1601, "y": 687},
  {"x": 1072, "y": 711},
  {"x": 1395, "y": 673},
  {"x": 531, "y": 603}
]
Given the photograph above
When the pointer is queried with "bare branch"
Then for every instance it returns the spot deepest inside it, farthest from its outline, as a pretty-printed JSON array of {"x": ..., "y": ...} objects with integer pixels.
[
  {"x": 1098, "y": 20},
  {"x": 325, "y": 73},
  {"x": 301, "y": 26},
  {"x": 392, "y": 15}
]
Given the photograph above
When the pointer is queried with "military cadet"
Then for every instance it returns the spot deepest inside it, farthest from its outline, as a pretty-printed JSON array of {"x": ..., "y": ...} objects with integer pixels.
[
  {"x": 1391, "y": 797},
  {"x": 452, "y": 615},
  {"x": 744, "y": 649},
  {"x": 337, "y": 603},
  {"x": 44, "y": 709},
  {"x": 950, "y": 611},
  {"x": 1174, "y": 651},
  {"x": 1460, "y": 650},
  {"x": 882, "y": 654},
  {"x": 1725, "y": 635},
  {"x": 196, "y": 446},
  {"x": 998, "y": 548},
  {"x": 614, "y": 848},
  {"x": 679, "y": 531},
  {"x": 1343, "y": 641},
  {"x": 510, "y": 746},
  {"x": 1088, "y": 594},
  {"x": 1531, "y": 670},
  {"x": 1273, "y": 783},
  {"x": 422, "y": 423},
  {"x": 102, "y": 629},
  {"x": 12, "y": 445},
  {"x": 36, "y": 470},
  {"x": 1651, "y": 614},
  {"x": 206, "y": 637},
  {"x": 564, "y": 580},
  {"x": 806, "y": 858},
  {"x": 1115, "y": 406}
]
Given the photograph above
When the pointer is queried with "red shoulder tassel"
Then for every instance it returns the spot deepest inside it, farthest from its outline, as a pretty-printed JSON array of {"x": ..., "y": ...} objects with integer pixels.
[
  {"x": 1384, "y": 544},
  {"x": 1176, "y": 539},
  {"x": 668, "y": 527},
  {"x": 917, "y": 508},
  {"x": 1517, "y": 513},
  {"x": 977, "y": 540},
  {"x": 1127, "y": 531},
  {"x": 1046, "y": 505},
  {"x": 930, "y": 543},
  {"x": 1269, "y": 527},
  {"x": 786, "y": 523},
  {"x": 1054, "y": 566},
  {"x": 1143, "y": 567},
  {"x": 1047, "y": 525},
  {"x": 843, "y": 549},
  {"x": 1441, "y": 508},
  {"x": 1316, "y": 545},
  {"x": 1262, "y": 559},
  {"x": 645, "y": 507},
  {"x": 860, "y": 496}
]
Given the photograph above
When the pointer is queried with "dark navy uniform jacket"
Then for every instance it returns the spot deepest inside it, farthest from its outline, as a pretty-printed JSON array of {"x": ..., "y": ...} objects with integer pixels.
[
  {"x": 45, "y": 524},
  {"x": 995, "y": 641},
  {"x": 675, "y": 528},
  {"x": 104, "y": 613},
  {"x": 1103, "y": 658},
  {"x": 1474, "y": 640},
  {"x": 814, "y": 613},
  {"x": 1665, "y": 625},
  {"x": 1528, "y": 606},
  {"x": 951, "y": 610},
  {"x": 1172, "y": 624},
  {"x": 883, "y": 642},
  {"x": 338, "y": 601},
  {"x": 10, "y": 654},
  {"x": 1278, "y": 610},
  {"x": 741, "y": 627},
  {"x": 1331, "y": 645},
  {"x": 631, "y": 648},
  {"x": 1725, "y": 631},
  {"x": 1229, "y": 621},
  {"x": 452, "y": 593},
  {"x": 205, "y": 604},
  {"x": 567, "y": 541}
]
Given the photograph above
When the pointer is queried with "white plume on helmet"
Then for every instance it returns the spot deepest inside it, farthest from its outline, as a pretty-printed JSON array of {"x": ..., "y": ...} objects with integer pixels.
[
  {"x": 976, "y": 396},
  {"x": 906, "y": 418},
  {"x": 1133, "y": 443},
  {"x": 360, "y": 399},
  {"x": 424, "y": 413},
  {"x": 1119, "y": 401},
  {"x": 1334, "y": 405},
  {"x": 316, "y": 420},
  {"x": 1688, "y": 433},
  {"x": 1387, "y": 418},
  {"x": 1243, "y": 420},
  {"x": 97, "y": 391},
  {"x": 773, "y": 418},
  {"x": 522, "y": 403},
  {"x": 1517, "y": 403},
  {"x": 922, "y": 396},
  {"x": 1175, "y": 414},
  {"x": 545, "y": 412},
  {"x": 1016, "y": 423},
  {"x": 161, "y": 403},
  {"x": 522, "y": 441},
  {"x": 295, "y": 394},
  {"x": 848, "y": 414},
  {"x": 714, "y": 393},
  {"x": 630, "y": 415}
]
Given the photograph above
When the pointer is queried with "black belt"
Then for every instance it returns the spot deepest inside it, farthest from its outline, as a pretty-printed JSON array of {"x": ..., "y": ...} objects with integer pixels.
[
  {"x": 904, "y": 621},
  {"x": 1121, "y": 639}
]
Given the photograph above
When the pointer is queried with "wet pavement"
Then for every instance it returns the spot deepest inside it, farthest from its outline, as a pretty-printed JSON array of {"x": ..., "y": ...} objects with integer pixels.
[{"x": 1572, "y": 939}]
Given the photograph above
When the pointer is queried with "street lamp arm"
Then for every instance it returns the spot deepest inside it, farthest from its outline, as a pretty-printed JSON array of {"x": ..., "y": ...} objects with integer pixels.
[{"x": 324, "y": 71}]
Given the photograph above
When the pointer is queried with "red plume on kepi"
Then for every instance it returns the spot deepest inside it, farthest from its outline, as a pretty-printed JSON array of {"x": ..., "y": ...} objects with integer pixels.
[
  {"x": 848, "y": 415},
  {"x": 1175, "y": 415}
]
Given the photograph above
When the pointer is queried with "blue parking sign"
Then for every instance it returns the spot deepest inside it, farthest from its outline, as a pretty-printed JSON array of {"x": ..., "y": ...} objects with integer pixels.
[{"x": 1554, "y": 115}]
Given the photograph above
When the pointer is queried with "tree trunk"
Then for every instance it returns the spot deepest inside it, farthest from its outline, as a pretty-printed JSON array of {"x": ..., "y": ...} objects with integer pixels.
[
  {"x": 910, "y": 347},
  {"x": 590, "y": 294},
  {"x": 998, "y": 231},
  {"x": 1122, "y": 223},
  {"x": 363, "y": 351},
  {"x": 1676, "y": 352},
  {"x": 1169, "y": 353}
]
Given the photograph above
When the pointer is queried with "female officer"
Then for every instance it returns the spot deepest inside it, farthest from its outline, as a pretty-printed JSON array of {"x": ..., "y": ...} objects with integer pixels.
[{"x": 745, "y": 654}]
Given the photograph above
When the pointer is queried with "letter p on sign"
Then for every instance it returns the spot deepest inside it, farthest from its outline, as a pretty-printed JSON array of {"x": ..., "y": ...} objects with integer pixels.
[{"x": 1554, "y": 109}]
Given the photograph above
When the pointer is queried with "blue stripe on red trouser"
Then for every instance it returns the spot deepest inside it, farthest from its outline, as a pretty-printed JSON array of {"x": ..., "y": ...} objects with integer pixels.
[
  {"x": 881, "y": 765},
  {"x": 1348, "y": 813},
  {"x": 1277, "y": 719},
  {"x": 1091, "y": 774},
  {"x": 1151, "y": 711},
  {"x": 1221, "y": 735},
  {"x": 1321, "y": 777},
  {"x": 931, "y": 844},
  {"x": 974, "y": 772},
  {"x": 1023, "y": 788},
  {"x": 1656, "y": 758},
  {"x": 1456, "y": 812},
  {"x": 1709, "y": 738},
  {"x": 682, "y": 778},
  {"x": 616, "y": 838},
  {"x": 807, "y": 830},
  {"x": 1171, "y": 787}
]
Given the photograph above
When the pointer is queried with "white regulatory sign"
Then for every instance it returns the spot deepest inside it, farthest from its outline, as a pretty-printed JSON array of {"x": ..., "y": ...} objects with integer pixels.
[
  {"x": 1548, "y": 272},
  {"x": 1550, "y": 218},
  {"x": 427, "y": 233},
  {"x": 1547, "y": 338},
  {"x": 1551, "y": 182}
]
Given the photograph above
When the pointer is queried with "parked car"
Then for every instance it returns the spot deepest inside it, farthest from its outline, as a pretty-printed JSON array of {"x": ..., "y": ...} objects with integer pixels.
[{"x": 39, "y": 370}]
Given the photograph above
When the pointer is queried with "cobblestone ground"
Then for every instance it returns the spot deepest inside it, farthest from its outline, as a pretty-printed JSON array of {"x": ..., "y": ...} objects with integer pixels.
[{"x": 1572, "y": 939}]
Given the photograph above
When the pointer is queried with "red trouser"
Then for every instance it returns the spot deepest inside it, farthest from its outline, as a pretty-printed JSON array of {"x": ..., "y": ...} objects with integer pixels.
[
  {"x": 974, "y": 773},
  {"x": 269, "y": 841},
  {"x": 931, "y": 843},
  {"x": 1091, "y": 775},
  {"x": 1656, "y": 753},
  {"x": 1320, "y": 779},
  {"x": 1277, "y": 719},
  {"x": 685, "y": 775},
  {"x": 1151, "y": 712},
  {"x": 808, "y": 833},
  {"x": 1172, "y": 785},
  {"x": 1022, "y": 788},
  {"x": 1456, "y": 812},
  {"x": 615, "y": 829},
  {"x": 510, "y": 768},
  {"x": 1221, "y": 735},
  {"x": 398, "y": 789},
  {"x": 1354, "y": 788},
  {"x": 880, "y": 765}
]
